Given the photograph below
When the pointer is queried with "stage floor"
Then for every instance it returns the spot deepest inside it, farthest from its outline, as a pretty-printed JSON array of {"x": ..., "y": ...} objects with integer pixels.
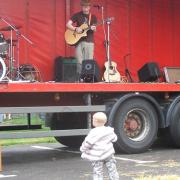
[{"x": 87, "y": 87}]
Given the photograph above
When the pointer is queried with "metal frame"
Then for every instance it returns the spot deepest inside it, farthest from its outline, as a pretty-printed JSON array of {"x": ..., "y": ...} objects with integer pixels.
[
  {"x": 52, "y": 109},
  {"x": 49, "y": 109},
  {"x": 38, "y": 134}
]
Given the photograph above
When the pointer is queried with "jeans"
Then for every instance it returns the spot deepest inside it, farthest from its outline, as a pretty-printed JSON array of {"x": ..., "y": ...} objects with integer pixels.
[
  {"x": 84, "y": 50},
  {"x": 110, "y": 164}
]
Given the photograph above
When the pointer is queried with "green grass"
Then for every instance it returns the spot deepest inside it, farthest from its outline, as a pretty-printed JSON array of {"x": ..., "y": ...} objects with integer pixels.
[
  {"x": 10, "y": 142},
  {"x": 22, "y": 120}
]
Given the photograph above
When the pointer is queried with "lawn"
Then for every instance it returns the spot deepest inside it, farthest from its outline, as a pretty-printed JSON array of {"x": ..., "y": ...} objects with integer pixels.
[{"x": 21, "y": 119}]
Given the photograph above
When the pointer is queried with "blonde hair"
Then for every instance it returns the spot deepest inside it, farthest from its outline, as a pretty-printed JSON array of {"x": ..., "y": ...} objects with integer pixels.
[{"x": 100, "y": 117}]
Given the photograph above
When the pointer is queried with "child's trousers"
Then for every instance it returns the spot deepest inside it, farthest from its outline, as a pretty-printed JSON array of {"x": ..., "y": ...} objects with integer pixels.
[{"x": 110, "y": 164}]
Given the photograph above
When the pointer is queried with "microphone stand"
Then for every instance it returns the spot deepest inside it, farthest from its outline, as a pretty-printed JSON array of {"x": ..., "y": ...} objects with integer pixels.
[
  {"x": 108, "y": 46},
  {"x": 107, "y": 38},
  {"x": 106, "y": 41},
  {"x": 18, "y": 34}
]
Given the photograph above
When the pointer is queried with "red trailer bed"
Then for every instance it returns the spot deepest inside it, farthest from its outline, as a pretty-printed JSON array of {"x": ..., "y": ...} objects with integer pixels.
[{"x": 88, "y": 87}]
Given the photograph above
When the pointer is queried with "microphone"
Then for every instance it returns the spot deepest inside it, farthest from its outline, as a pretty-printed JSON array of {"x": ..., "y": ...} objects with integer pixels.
[
  {"x": 97, "y": 6},
  {"x": 110, "y": 19}
]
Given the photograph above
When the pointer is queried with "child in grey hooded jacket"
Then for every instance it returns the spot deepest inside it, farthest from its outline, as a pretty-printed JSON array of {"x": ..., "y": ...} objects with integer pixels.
[{"x": 98, "y": 148}]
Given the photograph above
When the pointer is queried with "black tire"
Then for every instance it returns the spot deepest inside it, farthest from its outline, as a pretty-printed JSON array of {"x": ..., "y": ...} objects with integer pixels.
[
  {"x": 174, "y": 128},
  {"x": 142, "y": 114},
  {"x": 64, "y": 121},
  {"x": 109, "y": 104}
]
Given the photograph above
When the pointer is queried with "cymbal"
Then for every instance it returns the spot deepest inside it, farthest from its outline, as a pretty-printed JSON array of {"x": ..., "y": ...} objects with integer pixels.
[{"x": 9, "y": 28}]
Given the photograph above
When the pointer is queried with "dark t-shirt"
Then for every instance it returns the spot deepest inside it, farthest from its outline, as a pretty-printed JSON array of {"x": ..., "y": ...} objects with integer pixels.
[{"x": 81, "y": 18}]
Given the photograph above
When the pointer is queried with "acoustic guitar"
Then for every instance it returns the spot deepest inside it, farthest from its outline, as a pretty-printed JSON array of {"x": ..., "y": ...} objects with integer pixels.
[
  {"x": 111, "y": 74},
  {"x": 72, "y": 37}
]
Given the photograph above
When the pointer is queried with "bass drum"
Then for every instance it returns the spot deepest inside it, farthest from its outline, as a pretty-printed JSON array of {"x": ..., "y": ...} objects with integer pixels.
[
  {"x": 29, "y": 72},
  {"x": 2, "y": 69}
]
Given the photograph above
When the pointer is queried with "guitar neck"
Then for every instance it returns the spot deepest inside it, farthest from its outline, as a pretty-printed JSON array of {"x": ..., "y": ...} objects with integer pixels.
[{"x": 109, "y": 62}]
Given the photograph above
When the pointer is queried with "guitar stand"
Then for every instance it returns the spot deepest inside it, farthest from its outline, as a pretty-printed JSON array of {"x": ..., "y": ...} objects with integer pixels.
[{"x": 127, "y": 72}]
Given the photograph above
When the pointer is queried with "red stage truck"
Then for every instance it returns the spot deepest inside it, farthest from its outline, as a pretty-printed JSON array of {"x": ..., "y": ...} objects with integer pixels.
[{"x": 147, "y": 30}]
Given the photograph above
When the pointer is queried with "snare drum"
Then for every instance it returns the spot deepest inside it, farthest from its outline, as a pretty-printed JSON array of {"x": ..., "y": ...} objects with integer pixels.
[{"x": 3, "y": 46}]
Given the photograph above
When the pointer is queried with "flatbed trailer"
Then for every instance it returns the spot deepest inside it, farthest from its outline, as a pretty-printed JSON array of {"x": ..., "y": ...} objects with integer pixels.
[{"x": 137, "y": 111}]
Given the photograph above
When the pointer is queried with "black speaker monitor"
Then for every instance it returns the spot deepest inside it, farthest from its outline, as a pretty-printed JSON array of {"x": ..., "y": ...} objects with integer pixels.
[
  {"x": 65, "y": 69},
  {"x": 90, "y": 71},
  {"x": 149, "y": 72}
]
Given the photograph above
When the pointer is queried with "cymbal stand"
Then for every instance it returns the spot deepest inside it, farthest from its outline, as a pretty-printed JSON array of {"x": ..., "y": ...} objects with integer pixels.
[
  {"x": 18, "y": 34},
  {"x": 18, "y": 73},
  {"x": 11, "y": 68}
]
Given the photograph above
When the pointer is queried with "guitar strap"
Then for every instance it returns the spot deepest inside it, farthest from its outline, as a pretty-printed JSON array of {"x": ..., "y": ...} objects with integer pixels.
[{"x": 89, "y": 23}]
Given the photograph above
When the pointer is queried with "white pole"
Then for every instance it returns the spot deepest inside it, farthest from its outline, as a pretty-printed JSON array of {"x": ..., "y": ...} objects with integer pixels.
[{"x": 0, "y": 159}]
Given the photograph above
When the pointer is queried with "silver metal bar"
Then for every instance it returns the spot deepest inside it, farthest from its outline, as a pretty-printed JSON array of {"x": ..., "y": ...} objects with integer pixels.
[
  {"x": 51, "y": 109},
  {"x": 38, "y": 134},
  {"x": 89, "y": 114}
]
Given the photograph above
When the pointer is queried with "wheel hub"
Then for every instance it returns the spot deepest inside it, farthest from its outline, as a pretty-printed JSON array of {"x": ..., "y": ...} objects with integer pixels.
[{"x": 132, "y": 125}]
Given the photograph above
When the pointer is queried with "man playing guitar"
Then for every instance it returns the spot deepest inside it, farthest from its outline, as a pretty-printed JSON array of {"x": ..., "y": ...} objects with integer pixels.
[{"x": 84, "y": 48}]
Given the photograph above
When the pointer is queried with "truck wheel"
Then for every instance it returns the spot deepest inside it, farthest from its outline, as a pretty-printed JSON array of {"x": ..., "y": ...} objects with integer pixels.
[
  {"x": 136, "y": 126},
  {"x": 63, "y": 121},
  {"x": 109, "y": 104},
  {"x": 175, "y": 126}
]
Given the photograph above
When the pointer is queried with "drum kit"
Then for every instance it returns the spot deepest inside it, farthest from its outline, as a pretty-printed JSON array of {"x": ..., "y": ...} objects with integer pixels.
[{"x": 9, "y": 52}]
